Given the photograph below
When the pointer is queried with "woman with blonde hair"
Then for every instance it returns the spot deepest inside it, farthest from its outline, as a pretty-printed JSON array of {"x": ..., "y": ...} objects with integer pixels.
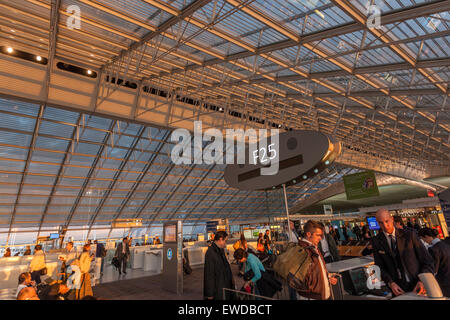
[{"x": 85, "y": 265}]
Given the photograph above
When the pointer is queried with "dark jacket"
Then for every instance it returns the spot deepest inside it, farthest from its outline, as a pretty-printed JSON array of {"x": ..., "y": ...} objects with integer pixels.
[
  {"x": 99, "y": 251},
  {"x": 217, "y": 274},
  {"x": 119, "y": 251},
  {"x": 331, "y": 246},
  {"x": 268, "y": 285},
  {"x": 414, "y": 257},
  {"x": 314, "y": 286},
  {"x": 441, "y": 256}
]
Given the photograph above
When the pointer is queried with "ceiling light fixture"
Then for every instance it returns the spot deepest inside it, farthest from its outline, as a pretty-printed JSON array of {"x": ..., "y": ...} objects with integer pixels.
[{"x": 10, "y": 50}]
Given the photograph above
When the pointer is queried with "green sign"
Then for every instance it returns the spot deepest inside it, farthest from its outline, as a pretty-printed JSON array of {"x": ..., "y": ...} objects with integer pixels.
[{"x": 361, "y": 185}]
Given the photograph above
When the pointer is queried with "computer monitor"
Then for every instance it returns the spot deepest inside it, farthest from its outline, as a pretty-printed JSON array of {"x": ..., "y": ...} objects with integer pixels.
[
  {"x": 54, "y": 236},
  {"x": 373, "y": 224},
  {"x": 355, "y": 281}
]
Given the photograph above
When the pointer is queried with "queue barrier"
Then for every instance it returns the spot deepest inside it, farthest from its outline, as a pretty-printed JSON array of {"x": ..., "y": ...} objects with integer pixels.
[{"x": 153, "y": 260}]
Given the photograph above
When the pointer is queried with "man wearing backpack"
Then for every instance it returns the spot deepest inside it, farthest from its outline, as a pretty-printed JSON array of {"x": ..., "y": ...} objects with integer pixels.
[{"x": 316, "y": 284}]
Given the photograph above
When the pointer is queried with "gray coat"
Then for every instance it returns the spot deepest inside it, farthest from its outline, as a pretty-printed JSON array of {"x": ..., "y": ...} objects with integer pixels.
[{"x": 119, "y": 251}]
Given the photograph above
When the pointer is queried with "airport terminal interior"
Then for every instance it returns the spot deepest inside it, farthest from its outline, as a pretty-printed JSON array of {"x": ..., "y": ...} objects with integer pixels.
[{"x": 95, "y": 96}]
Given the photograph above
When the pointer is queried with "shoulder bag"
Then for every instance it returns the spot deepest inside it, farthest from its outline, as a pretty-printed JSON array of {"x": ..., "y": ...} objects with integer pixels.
[{"x": 43, "y": 271}]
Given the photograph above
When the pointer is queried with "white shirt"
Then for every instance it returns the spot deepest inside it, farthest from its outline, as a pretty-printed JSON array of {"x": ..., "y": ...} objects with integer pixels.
[
  {"x": 292, "y": 236},
  {"x": 388, "y": 238},
  {"x": 435, "y": 240},
  {"x": 325, "y": 248},
  {"x": 74, "y": 281},
  {"x": 19, "y": 288},
  {"x": 324, "y": 272}
]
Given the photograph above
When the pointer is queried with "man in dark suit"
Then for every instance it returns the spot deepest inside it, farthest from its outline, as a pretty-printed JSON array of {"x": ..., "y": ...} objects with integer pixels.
[
  {"x": 217, "y": 272},
  {"x": 122, "y": 253},
  {"x": 400, "y": 256},
  {"x": 327, "y": 246},
  {"x": 441, "y": 255}
]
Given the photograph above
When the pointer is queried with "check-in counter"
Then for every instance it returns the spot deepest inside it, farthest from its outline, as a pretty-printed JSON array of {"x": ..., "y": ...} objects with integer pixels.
[
  {"x": 153, "y": 260},
  {"x": 15, "y": 261},
  {"x": 9, "y": 275},
  {"x": 196, "y": 255},
  {"x": 138, "y": 257}
]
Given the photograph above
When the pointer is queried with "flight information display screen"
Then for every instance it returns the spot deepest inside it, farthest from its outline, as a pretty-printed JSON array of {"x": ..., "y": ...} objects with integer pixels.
[
  {"x": 373, "y": 224},
  {"x": 170, "y": 233}
]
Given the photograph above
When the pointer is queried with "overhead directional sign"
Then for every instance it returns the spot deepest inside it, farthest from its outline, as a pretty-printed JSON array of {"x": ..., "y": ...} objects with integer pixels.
[
  {"x": 302, "y": 155},
  {"x": 211, "y": 226},
  {"x": 361, "y": 185}
]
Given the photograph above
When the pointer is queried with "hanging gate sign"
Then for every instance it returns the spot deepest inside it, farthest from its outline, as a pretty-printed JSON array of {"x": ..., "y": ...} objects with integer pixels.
[{"x": 302, "y": 155}]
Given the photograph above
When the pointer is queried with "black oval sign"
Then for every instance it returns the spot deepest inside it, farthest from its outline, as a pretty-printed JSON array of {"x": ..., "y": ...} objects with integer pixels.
[{"x": 302, "y": 154}]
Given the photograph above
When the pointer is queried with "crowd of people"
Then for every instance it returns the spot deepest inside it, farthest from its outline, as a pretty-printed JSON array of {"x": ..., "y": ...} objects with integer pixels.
[
  {"x": 402, "y": 252},
  {"x": 74, "y": 276}
]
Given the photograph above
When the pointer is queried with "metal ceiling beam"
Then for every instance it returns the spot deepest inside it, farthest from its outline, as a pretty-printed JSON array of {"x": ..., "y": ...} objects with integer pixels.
[
  {"x": 158, "y": 185},
  {"x": 59, "y": 174},
  {"x": 374, "y": 93},
  {"x": 327, "y": 74},
  {"x": 53, "y": 32},
  {"x": 366, "y": 70},
  {"x": 117, "y": 174},
  {"x": 194, "y": 188},
  {"x": 198, "y": 219},
  {"x": 352, "y": 11},
  {"x": 90, "y": 173},
  {"x": 136, "y": 185},
  {"x": 392, "y": 17},
  {"x": 26, "y": 168},
  {"x": 189, "y": 10}
]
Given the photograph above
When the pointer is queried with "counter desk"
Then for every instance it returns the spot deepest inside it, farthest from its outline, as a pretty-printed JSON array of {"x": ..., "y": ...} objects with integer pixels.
[{"x": 153, "y": 260}]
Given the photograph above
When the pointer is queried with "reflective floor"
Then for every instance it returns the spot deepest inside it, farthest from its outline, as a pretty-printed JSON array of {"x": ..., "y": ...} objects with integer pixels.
[{"x": 110, "y": 274}]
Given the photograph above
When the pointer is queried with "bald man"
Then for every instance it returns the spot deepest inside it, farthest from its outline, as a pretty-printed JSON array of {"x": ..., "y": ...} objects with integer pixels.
[{"x": 400, "y": 255}]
